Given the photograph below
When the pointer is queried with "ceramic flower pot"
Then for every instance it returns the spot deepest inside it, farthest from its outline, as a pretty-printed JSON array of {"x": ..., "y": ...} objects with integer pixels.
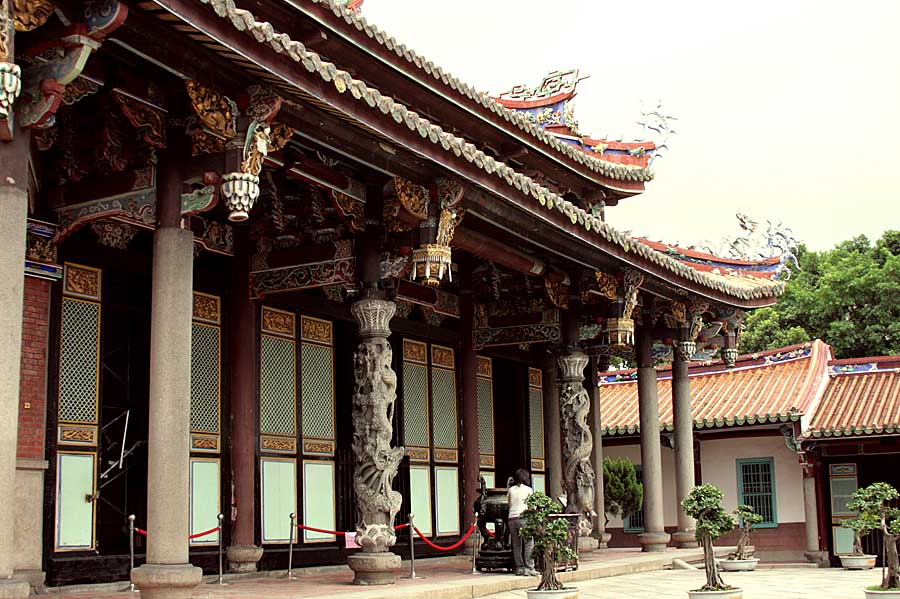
[
  {"x": 738, "y": 565},
  {"x": 570, "y": 593},
  {"x": 858, "y": 562},
  {"x": 882, "y": 594},
  {"x": 729, "y": 594}
]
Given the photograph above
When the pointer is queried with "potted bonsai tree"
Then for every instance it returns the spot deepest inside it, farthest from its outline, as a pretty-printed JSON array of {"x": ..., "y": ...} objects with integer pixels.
[
  {"x": 742, "y": 559},
  {"x": 622, "y": 493},
  {"x": 859, "y": 559},
  {"x": 704, "y": 504},
  {"x": 874, "y": 505},
  {"x": 551, "y": 545}
]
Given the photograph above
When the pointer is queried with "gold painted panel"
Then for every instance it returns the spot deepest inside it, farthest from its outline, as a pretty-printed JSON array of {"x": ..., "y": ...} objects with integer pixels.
[
  {"x": 278, "y": 322},
  {"x": 81, "y": 281},
  {"x": 314, "y": 329},
  {"x": 207, "y": 308},
  {"x": 414, "y": 351},
  {"x": 442, "y": 356}
]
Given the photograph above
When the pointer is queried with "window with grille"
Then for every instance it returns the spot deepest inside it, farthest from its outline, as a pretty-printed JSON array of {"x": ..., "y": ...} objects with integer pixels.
[
  {"x": 634, "y": 521},
  {"x": 843, "y": 485},
  {"x": 756, "y": 488}
]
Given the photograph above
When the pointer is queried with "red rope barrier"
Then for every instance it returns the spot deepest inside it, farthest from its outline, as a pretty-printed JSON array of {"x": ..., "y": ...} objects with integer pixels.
[
  {"x": 451, "y": 547},
  {"x": 338, "y": 532},
  {"x": 197, "y": 535},
  {"x": 490, "y": 534},
  {"x": 321, "y": 530}
]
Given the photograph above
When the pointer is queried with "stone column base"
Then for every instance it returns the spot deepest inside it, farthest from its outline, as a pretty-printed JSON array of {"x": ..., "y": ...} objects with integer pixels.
[
  {"x": 35, "y": 578},
  {"x": 14, "y": 588},
  {"x": 817, "y": 557},
  {"x": 653, "y": 541},
  {"x": 243, "y": 558},
  {"x": 157, "y": 581},
  {"x": 685, "y": 539},
  {"x": 374, "y": 568},
  {"x": 587, "y": 544},
  {"x": 603, "y": 538}
]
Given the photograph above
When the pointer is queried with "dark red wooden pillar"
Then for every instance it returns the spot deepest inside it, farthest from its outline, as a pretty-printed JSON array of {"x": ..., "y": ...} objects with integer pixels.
[
  {"x": 471, "y": 459},
  {"x": 243, "y": 553}
]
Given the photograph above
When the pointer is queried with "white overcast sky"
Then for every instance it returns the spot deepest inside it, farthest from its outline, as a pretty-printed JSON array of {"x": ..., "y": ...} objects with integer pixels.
[{"x": 787, "y": 109}]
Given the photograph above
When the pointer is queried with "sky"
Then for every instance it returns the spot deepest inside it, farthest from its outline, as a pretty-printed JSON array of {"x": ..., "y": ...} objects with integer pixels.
[{"x": 787, "y": 110}]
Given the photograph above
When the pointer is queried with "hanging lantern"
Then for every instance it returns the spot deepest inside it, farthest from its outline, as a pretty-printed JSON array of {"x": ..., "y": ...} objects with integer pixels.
[
  {"x": 619, "y": 332},
  {"x": 430, "y": 263},
  {"x": 240, "y": 191},
  {"x": 10, "y": 86}
]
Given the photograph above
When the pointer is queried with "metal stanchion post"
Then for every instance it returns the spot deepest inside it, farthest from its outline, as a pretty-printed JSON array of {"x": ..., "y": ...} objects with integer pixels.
[
  {"x": 412, "y": 550},
  {"x": 290, "y": 573},
  {"x": 475, "y": 545},
  {"x": 221, "y": 518},
  {"x": 131, "y": 588}
]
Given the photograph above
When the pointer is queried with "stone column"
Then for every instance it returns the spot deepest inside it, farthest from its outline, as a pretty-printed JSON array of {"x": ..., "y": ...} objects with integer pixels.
[
  {"x": 243, "y": 554},
  {"x": 654, "y": 537},
  {"x": 13, "y": 220},
  {"x": 597, "y": 455},
  {"x": 813, "y": 551},
  {"x": 553, "y": 451},
  {"x": 471, "y": 455},
  {"x": 685, "y": 536},
  {"x": 376, "y": 461},
  {"x": 167, "y": 573},
  {"x": 578, "y": 475}
]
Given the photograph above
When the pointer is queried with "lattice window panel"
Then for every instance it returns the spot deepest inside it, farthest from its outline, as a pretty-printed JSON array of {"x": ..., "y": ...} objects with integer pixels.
[
  {"x": 317, "y": 390},
  {"x": 79, "y": 359},
  {"x": 756, "y": 488},
  {"x": 485, "y": 416},
  {"x": 536, "y": 422},
  {"x": 277, "y": 386},
  {"x": 842, "y": 490},
  {"x": 443, "y": 403},
  {"x": 415, "y": 405},
  {"x": 205, "y": 378}
]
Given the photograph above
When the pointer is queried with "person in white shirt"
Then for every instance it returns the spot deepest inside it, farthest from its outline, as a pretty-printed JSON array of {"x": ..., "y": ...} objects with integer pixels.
[{"x": 516, "y": 496}]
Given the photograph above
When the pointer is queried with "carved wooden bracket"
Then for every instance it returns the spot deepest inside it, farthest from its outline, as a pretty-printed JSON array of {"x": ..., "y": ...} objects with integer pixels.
[{"x": 44, "y": 84}]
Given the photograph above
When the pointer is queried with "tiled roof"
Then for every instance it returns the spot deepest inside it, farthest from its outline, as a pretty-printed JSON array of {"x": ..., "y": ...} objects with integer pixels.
[
  {"x": 862, "y": 398},
  {"x": 766, "y": 268},
  {"x": 769, "y": 387},
  {"x": 597, "y": 164},
  {"x": 744, "y": 288}
]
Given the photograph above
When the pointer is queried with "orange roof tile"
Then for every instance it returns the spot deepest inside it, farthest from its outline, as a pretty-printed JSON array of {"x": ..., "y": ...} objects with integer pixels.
[
  {"x": 862, "y": 398},
  {"x": 776, "y": 386}
]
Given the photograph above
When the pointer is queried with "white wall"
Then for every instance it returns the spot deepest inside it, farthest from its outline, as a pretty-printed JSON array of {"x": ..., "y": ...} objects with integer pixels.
[
  {"x": 633, "y": 453},
  {"x": 718, "y": 460}
]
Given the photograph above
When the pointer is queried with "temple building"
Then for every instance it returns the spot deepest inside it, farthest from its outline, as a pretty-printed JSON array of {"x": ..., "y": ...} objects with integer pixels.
[
  {"x": 791, "y": 432},
  {"x": 262, "y": 259}
]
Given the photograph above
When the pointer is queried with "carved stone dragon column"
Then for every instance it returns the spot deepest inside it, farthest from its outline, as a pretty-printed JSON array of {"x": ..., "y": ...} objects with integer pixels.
[
  {"x": 578, "y": 475},
  {"x": 376, "y": 461}
]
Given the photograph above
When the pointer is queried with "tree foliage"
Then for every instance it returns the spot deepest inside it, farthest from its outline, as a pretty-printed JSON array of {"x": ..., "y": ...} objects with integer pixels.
[
  {"x": 622, "y": 493},
  {"x": 550, "y": 536},
  {"x": 704, "y": 504},
  {"x": 746, "y": 517},
  {"x": 874, "y": 506},
  {"x": 848, "y": 296}
]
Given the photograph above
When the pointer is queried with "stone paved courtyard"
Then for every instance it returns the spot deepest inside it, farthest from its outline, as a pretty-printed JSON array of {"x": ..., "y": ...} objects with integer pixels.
[{"x": 774, "y": 583}]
